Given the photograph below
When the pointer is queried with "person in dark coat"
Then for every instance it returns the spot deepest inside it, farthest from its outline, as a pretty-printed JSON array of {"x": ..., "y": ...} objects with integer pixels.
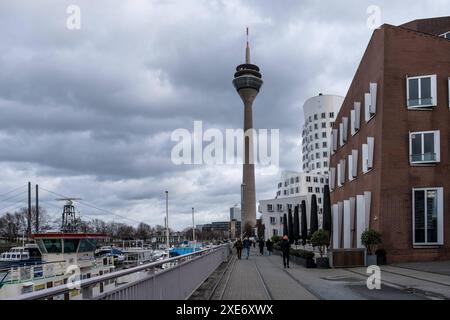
[
  {"x": 261, "y": 246},
  {"x": 269, "y": 246},
  {"x": 238, "y": 245},
  {"x": 285, "y": 247},
  {"x": 247, "y": 246}
]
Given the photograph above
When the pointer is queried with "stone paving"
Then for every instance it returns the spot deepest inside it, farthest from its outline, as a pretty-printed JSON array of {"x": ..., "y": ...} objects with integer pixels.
[{"x": 264, "y": 278}]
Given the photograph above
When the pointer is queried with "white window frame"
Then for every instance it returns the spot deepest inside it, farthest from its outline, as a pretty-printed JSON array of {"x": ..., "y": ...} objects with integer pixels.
[
  {"x": 440, "y": 214},
  {"x": 270, "y": 207},
  {"x": 444, "y": 35},
  {"x": 433, "y": 92},
  {"x": 437, "y": 147}
]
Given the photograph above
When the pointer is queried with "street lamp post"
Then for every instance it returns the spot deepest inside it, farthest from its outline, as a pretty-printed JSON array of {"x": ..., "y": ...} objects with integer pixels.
[
  {"x": 193, "y": 227},
  {"x": 167, "y": 221}
]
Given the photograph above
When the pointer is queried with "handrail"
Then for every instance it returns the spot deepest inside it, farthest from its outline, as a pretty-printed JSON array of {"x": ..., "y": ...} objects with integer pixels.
[{"x": 86, "y": 283}]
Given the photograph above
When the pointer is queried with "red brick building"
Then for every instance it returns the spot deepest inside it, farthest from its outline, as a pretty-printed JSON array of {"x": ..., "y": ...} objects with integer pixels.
[{"x": 390, "y": 163}]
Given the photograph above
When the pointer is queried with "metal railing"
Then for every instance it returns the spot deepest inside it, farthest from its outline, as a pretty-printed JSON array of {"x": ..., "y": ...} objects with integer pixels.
[{"x": 183, "y": 277}]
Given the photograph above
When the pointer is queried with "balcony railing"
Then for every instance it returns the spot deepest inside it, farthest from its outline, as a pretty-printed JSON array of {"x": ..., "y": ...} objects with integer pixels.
[{"x": 423, "y": 158}]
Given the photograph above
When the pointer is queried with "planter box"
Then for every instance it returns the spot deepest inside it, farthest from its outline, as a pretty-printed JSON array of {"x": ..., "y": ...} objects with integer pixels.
[
  {"x": 347, "y": 258},
  {"x": 323, "y": 263},
  {"x": 371, "y": 260},
  {"x": 307, "y": 263}
]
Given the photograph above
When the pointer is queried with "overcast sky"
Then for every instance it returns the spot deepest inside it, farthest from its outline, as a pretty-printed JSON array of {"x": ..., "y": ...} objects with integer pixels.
[{"x": 89, "y": 113}]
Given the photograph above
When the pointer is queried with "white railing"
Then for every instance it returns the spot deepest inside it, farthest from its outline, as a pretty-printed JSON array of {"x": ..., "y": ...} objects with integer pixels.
[{"x": 182, "y": 277}]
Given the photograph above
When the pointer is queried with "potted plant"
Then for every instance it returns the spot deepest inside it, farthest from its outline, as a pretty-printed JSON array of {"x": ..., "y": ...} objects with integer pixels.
[
  {"x": 370, "y": 239},
  {"x": 321, "y": 239}
]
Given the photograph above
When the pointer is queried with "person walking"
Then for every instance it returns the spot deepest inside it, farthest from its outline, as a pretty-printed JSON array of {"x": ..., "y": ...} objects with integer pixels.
[
  {"x": 285, "y": 248},
  {"x": 261, "y": 246},
  {"x": 247, "y": 245},
  {"x": 269, "y": 246},
  {"x": 238, "y": 245}
]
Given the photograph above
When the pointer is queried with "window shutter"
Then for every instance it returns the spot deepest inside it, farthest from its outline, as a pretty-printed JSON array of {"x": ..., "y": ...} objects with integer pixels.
[
  {"x": 373, "y": 98},
  {"x": 345, "y": 129},
  {"x": 335, "y": 226},
  {"x": 347, "y": 225},
  {"x": 357, "y": 116},
  {"x": 365, "y": 156},
  {"x": 367, "y": 204},
  {"x": 343, "y": 171},
  {"x": 434, "y": 90},
  {"x": 335, "y": 140},
  {"x": 332, "y": 177},
  {"x": 437, "y": 145},
  {"x": 350, "y": 168},
  {"x": 360, "y": 220},
  {"x": 370, "y": 143},
  {"x": 339, "y": 173},
  {"x": 355, "y": 163},
  {"x": 352, "y": 122},
  {"x": 341, "y": 134},
  {"x": 367, "y": 101}
]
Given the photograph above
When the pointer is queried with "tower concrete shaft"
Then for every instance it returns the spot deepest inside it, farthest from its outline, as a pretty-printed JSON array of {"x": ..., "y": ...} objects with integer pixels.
[{"x": 248, "y": 82}]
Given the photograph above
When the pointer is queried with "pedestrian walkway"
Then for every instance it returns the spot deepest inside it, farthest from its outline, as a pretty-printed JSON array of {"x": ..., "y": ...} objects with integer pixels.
[{"x": 263, "y": 278}]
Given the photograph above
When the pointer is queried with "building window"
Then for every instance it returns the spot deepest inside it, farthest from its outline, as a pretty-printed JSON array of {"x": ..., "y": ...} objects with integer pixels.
[
  {"x": 425, "y": 147},
  {"x": 421, "y": 91},
  {"x": 275, "y": 232},
  {"x": 324, "y": 115},
  {"x": 317, "y": 190},
  {"x": 325, "y": 154},
  {"x": 321, "y": 180},
  {"x": 316, "y": 126},
  {"x": 270, "y": 208},
  {"x": 325, "y": 164},
  {"x": 316, "y": 117},
  {"x": 297, "y": 190},
  {"x": 324, "y": 125},
  {"x": 428, "y": 216},
  {"x": 273, "y": 220},
  {"x": 285, "y": 192},
  {"x": 446, "y": 35},
  {"x": 292, "y": 190},
  {"x": 310, "y": 189},
  {"x": 331, "y": 114},
  {"x": 308, "y": 179},
  {"x": 319, "y": 200},
  {"x": 316, "y": 179},
  {"x": 324, "y": 134},
  {"x": 279, "y": 207},
  {"x": 297, "y": 180}
]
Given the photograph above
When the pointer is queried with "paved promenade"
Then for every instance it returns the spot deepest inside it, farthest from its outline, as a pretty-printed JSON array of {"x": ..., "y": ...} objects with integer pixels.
[{"x": 264, "y": 278}]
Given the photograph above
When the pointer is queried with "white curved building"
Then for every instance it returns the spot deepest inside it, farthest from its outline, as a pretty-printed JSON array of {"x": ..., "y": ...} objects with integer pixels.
[{"x": 320, "y": 112}]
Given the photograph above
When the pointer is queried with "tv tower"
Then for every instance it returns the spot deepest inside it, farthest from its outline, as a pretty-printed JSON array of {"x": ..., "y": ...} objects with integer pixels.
[{"x": 248, "y": 82}]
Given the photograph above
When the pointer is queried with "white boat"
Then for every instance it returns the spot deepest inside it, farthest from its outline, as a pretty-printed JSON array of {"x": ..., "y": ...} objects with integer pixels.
[{"x": 66, "y": 257}]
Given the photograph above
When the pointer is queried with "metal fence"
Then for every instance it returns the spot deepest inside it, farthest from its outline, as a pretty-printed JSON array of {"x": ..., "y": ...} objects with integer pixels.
[{"x": 181, "y": 277}]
